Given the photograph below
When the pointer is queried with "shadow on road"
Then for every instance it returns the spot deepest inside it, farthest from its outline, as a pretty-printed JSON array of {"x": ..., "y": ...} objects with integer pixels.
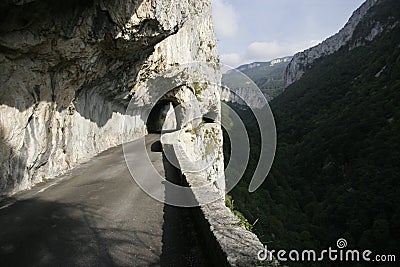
[
  {"x": 99, "y": 217},
  {"x": 156, "y": 146},
  {"x": 37, "y": 232},
  {"x": 181, "y": 241}
]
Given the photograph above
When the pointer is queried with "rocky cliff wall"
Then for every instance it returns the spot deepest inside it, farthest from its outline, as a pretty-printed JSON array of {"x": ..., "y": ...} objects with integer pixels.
[
  {"x": 252, "y": 99},
  {"x": 69, "y": 70},
  {"x": 303, "y": 60}
]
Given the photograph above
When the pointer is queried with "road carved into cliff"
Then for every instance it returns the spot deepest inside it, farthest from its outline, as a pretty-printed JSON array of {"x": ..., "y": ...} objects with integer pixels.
[{"x": 96, "y": 215}]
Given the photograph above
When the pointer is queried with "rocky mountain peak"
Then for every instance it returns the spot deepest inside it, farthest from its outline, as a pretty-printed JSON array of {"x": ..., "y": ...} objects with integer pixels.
[{"x": 304, "y": 60}]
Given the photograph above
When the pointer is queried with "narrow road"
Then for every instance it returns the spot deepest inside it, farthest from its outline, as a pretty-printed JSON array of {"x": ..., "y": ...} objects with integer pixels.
[{"x": 96, "y": 215}]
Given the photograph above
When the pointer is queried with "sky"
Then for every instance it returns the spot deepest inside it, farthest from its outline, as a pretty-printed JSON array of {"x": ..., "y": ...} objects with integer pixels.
[{"x": 261, "y": 30}]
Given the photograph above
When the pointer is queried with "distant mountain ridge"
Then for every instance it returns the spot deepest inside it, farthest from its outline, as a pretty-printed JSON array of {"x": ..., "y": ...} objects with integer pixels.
[
  {"x": 304, "y": 60},
  {"x": 260, "y": 64},
  {"x": 268, "y": 76}
]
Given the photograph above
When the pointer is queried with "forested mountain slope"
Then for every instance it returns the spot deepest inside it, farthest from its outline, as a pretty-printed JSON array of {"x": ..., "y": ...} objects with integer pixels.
[
  {"x": 336, "y": 172},
  {"x": 269, "y": 76}
]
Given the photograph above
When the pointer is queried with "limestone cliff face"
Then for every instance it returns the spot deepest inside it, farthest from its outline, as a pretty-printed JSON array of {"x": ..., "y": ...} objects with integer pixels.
[
  {"x": 69, "y": 69},
  {"x": 303, "y": 60},
  {"x": 253, "y": 100}
]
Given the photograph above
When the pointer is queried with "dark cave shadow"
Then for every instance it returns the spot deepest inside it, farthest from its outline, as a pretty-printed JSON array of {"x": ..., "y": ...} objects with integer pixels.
[
  {"x": 93, "y": 100},
  {"x": 63, "y": 17},
  {"x": 98, "y": 107},
  {"x": 156, "y": 146},
  {"x": 36, "y": 232}
]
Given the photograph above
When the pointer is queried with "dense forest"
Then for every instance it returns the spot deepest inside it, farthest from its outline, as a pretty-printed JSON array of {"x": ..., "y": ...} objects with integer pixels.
[{"x": 337, "y": 166}]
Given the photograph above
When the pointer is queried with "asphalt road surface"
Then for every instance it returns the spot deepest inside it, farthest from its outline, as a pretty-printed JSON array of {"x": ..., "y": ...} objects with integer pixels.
[{"x": 96, "y": 215}]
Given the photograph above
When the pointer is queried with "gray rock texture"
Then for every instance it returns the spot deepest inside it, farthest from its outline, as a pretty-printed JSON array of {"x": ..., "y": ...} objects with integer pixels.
[
  {"x": 78, "y": 76},
  {"x": 303, "y": 60},
  {"x": 70, "y": 68},
  {"x": 238, "y": 246},
  {"x": 253, "y": 97}
]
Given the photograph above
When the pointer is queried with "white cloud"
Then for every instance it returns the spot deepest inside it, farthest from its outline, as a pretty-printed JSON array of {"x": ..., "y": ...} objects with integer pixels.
[
  {"x": 265, "y": 51},
  {"x": 225, "y": 19},
  {"x": 232, "y": 59},
  {"x": 314, "y": 42},
  {"x": 271, "y": 50}
]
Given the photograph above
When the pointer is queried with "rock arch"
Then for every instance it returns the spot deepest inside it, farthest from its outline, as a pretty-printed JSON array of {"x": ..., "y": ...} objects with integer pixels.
[{"x": 162, "y": 117}]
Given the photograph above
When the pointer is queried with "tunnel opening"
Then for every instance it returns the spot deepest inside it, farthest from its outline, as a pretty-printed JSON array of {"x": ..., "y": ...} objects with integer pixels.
[
  {"x": 162, "y": 118},
  {"x": 208, "y": 120},
  {"x": 210, "y": 117}
]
